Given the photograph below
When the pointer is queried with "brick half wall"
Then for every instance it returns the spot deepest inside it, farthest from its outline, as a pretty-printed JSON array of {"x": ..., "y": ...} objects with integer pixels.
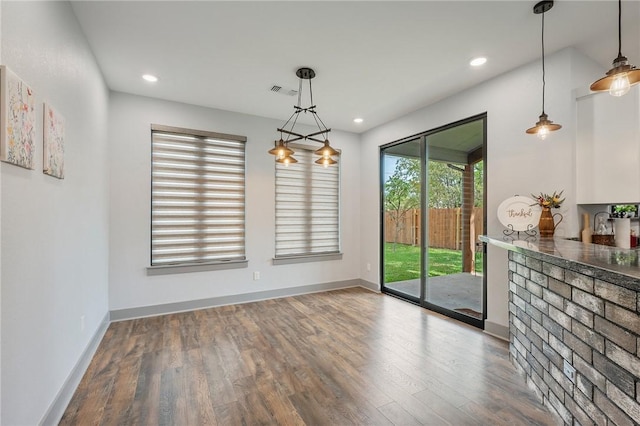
[{"x": 557, "y": 314}]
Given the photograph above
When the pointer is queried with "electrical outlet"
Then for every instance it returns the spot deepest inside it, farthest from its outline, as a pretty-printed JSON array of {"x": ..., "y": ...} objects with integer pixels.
[
  {"x": 256, "y": 275},
  {"x": 368, "y": 267},
  {"x": 81, "y": 322},
  {"x": 569, "y": 371}
]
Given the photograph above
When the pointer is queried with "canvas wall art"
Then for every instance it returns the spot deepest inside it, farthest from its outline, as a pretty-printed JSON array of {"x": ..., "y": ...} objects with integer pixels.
[
  {"x": 53, "y": 163},
  {"x": 17, "y": 120}
]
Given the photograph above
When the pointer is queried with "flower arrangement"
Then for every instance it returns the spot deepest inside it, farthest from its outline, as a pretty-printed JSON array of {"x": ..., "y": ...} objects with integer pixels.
[{"x": 550, "y": 201}]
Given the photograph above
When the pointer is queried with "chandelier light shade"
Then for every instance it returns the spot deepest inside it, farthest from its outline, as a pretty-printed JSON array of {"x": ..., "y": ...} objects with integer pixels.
[
  {"x": 326, "y": 161},
  {"x": 326, "y": 151},
  {"x": 544, "y": 126},
  {"x": 286, "y": 160},
  {"x": 623, "y": 75},
  {"x": 288, "y": 134},
  {"x": 280, "y": 150}
]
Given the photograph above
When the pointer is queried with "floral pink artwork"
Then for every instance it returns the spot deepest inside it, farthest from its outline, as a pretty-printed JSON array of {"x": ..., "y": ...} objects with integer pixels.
[
  {"x": 17, "y": 120},
  {"x": 53, "y": 142}
]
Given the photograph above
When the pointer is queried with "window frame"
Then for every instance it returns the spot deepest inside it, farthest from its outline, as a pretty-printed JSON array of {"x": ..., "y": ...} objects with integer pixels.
[
  {"x": 309, "y": 257},
  {"x": 183, "y": 267}
]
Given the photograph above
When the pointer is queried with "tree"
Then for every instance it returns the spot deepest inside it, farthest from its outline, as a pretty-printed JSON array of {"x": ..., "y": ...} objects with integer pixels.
[
  {"x": 402, "y": 193},
  {"x": 445, "y": 186}
]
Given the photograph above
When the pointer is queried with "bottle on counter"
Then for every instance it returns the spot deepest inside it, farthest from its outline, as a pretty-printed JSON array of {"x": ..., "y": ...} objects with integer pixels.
[{"x": 586, "y": 230}]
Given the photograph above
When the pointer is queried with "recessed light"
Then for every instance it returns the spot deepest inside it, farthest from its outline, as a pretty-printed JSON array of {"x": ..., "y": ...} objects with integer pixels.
[
  {"x": 476, "y": 62},
  {"x": 358, "y": 120},
  {"x": 150, "y": 78}
]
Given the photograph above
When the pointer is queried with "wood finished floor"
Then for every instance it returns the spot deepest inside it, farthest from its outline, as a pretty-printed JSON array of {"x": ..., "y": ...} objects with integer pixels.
[{"x": 337, "y": 358}]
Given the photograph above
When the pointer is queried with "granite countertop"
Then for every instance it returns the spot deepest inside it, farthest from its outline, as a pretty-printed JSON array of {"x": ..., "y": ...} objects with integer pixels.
[{"x": 613, "y": 264}]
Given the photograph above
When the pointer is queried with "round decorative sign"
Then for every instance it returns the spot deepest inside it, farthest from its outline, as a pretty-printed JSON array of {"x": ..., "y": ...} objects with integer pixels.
[{"x": 519, "y": 213}]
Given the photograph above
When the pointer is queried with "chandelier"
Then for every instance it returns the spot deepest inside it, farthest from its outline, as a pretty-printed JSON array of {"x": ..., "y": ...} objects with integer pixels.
[{"x": 282, "y": 150}]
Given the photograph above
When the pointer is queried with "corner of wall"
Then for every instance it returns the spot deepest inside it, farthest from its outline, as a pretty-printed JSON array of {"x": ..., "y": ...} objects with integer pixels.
[
  {"x": 496, "y": 330},
  {"x": 58, "y": 406}
]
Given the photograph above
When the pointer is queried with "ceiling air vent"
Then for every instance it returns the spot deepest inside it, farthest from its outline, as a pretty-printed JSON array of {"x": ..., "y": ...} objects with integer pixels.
[{"x": 279, "y": 89}]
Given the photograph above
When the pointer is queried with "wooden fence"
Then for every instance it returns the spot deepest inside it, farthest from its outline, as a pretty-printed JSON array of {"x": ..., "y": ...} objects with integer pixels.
[{"x": 445, "y": 227}]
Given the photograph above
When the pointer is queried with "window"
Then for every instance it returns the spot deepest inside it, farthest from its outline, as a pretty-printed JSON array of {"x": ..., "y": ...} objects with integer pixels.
[
  {"x": 197, "y": 197},
  {"x": 307, "y": 207}
]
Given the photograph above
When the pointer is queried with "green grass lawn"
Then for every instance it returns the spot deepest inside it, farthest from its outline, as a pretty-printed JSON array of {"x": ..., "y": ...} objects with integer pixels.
[{"x": 404, "y": 263}]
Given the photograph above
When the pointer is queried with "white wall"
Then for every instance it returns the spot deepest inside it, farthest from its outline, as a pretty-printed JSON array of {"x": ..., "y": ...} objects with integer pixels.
[
  {"x": 130, "y": 165},
  {"x": 54, "y": 232},
  {"x": 1, "y": 245},
  {"x": 517, "y": 163}
]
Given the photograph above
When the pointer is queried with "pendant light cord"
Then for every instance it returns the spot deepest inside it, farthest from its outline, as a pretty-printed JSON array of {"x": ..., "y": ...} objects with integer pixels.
[
  {"x": 544, "y": 83},
  {"x": 619, "y": 27}
]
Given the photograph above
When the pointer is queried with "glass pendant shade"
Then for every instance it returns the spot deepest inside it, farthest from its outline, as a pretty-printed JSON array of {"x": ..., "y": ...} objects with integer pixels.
[{"x": 543, "y": 127}]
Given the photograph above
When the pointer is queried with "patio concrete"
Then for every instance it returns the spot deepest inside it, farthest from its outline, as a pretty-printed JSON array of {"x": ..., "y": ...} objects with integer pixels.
[{"x": 455, "y": 292}]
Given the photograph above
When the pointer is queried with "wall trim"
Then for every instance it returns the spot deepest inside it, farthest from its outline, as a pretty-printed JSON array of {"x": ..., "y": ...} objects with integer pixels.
[
  {"x": 370, "y": 286},
  {"x": 191, "y": 305},
  {"x": 62, "y": 399},
  {"x": 496, "y": 330}
]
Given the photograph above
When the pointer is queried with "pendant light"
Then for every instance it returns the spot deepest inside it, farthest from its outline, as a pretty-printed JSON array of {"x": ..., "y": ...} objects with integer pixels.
[
  {"x": 281, "y": 149},
  {"x": 622, "y": 76},
  {"x": 544, "y": 125}
]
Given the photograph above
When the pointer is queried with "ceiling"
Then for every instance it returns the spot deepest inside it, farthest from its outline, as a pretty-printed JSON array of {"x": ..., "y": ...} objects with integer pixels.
[{"x": 376, "y": 60}]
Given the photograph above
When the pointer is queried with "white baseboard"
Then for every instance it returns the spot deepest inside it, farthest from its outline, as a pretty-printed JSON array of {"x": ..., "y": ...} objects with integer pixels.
[
  {"x": 61, "y": 401},
  {"x": 496, "y": 330},
  {"x": 170, "y": 308},
  {"x": 370, "y": 286},
  {"x": 59, "y": 405}
]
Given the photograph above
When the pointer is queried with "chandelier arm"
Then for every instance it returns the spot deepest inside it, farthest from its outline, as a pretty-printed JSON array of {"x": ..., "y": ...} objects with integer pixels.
[
  {"x": 295, "y": 139},
  {"x": 318, "y": 133},
  {"x": 291, "y": 133},
  {"x": 315, "y": 140},
  {"x": 310, "y": 92}
]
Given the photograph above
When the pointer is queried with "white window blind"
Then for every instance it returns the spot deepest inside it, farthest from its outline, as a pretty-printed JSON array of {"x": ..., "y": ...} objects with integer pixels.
[
  {"x": 197, "y": 197},
  {"x": 307, "y": 207}
]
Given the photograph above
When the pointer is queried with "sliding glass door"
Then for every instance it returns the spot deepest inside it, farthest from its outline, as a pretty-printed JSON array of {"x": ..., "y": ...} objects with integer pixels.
[
  {"x": 402, "y": 182},
  {"x": 432, "y": 202}
]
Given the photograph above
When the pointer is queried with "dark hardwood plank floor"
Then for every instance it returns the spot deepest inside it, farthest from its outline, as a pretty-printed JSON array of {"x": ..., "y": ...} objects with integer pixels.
[{"x": 337, "y": 358}]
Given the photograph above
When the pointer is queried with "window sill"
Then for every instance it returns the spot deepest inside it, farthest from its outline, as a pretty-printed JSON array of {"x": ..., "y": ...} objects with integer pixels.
[
  {"x": 200, "y": 267},
  {"x": 288, "y": 260}
]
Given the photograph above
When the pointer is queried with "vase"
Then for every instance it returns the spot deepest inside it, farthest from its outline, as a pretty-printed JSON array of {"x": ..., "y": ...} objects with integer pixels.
[
  {"x": 622, "y": 231},
  {"x": 546, "y": 225}
]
